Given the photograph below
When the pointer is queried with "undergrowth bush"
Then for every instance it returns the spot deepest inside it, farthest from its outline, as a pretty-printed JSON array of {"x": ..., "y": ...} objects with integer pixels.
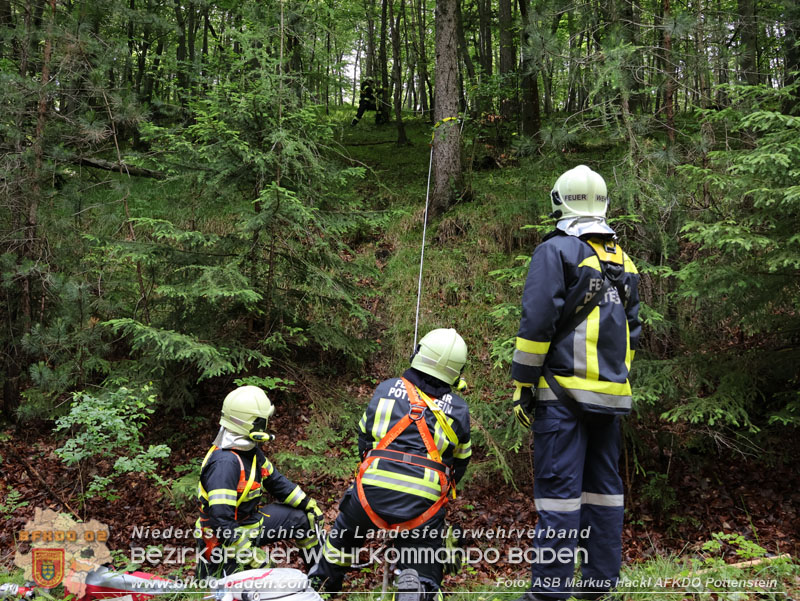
[{"x": 106, "y": 426}]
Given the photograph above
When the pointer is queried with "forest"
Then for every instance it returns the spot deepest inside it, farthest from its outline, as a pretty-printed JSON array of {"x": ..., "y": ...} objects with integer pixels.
[{"x": 190, "y": 205}]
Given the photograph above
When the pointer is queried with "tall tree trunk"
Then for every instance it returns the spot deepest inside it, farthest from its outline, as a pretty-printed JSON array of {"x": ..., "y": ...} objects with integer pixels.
[
  {"x": 355, "y": 70},
  {"x": 669, "y": 75},
  {"x": 402, "y": 139},
  {"x": 508, "y": 60},
  {"x": 447, "y": 173},
  {"x": 127, "y": 74},
  {"x": 180, "y": 54},
  {"x": 328, "y": 64},
  {"x": 485, "y": 35},
  {"x": 465, "y": 56},
  {"x": 382, "y": 96},
  {"x": 422, "y": 62},
  {"x": 191, "y": 34},
  {"x": 6, "y": 24},
  {"x": 791, "y": 49},
  {"x": 369, "y": 59},
  {"x": 531, "y": 116},
  {"x": 748, "y": 59},
  {"x": 149, "y": 80}
]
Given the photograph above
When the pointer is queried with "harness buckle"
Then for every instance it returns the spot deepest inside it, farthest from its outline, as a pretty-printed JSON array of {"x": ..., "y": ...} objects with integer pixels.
[{"x": 416, "y": 412}]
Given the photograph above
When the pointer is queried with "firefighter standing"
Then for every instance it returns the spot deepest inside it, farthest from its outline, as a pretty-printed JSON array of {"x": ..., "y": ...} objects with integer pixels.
[
  {"x": 414, "y": 440},
  {"x": 367, "y": 102},
  {"x": 570, "y": 370},
  {"x": 234, "y": 473}
]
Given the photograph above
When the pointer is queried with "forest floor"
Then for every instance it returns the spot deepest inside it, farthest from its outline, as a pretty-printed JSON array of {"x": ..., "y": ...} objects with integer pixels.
[
  {"x": 757, "y": 501},
  {"x": 668, "y": 521}
]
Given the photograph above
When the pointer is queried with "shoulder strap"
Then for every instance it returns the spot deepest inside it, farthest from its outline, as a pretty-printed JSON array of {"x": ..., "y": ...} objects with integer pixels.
[
  {"x": 440, "y": 417},
  {"x": 569, "y": 326},
  {"x": 205, "y": 459},
  {"x": 579, "y": 316},
  {"x": 416, "y": 414}
]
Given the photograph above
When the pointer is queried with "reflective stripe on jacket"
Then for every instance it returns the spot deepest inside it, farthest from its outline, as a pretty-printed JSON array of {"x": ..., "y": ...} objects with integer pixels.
[
  {"x": 230, "y": 489},
  {"x": 593, "y": 361}
]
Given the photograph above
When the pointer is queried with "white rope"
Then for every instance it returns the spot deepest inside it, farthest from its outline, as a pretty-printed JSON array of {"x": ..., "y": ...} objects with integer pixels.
[
  {"x": 422, "y": 250},
  {"x": 424, "y": 229}
]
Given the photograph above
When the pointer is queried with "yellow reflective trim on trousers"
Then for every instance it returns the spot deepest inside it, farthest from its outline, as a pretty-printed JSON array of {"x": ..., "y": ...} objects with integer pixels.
[
  {"x": 531, "y": 346},
  {"x": 306, "y": 543},
  {"x": 592, "y": 336},
  {"x": 336, "y": 556},
  {"x": 383, "y": 415},
  {"x": 591, "y": 498},
  {"x": 246, "y": 536},
  {"x": 599, "y": 386},
  {"x": 550, "y": 504}
]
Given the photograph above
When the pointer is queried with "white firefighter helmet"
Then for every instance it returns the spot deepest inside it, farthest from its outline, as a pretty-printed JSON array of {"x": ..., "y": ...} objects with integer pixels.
[
  {"x": 442, "y": 354},
  {"x": 579, "y": 192},
  {"x": 246, "y": 411}
]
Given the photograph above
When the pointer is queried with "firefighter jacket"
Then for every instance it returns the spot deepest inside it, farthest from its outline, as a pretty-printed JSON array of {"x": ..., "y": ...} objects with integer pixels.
[
  {"x": 230, "y": 489},
  {"x": 367, "y": 93},
  {"x": 404, "y": 490},
  {"x": 592, "y": 362}
]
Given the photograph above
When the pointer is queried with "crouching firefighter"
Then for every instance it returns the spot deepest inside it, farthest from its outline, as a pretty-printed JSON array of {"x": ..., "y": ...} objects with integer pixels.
[
  {"x": 234, "y": 521},
  {"x": 414, "y": 441},
  {"x": 576, "y": 340}
]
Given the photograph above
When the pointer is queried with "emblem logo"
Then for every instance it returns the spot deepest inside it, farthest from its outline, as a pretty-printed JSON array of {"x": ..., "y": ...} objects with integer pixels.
[{"x": 48, "y": 567}]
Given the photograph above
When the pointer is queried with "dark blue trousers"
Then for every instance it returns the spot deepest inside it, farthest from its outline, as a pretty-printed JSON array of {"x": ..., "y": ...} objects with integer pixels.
[
  {"x": 350, "y": 530},
  {"x": 579, "y": 499}
]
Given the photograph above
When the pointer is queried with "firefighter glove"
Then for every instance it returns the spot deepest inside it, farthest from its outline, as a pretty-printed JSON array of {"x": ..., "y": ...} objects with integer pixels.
[
  {"x": 523, "y": 404},
  {"x": 260, "y": 558},
  {"x": 314, "y": 513}
]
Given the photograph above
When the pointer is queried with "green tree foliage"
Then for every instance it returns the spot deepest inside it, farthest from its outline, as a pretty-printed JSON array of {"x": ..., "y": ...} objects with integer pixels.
[
  {"x": 743, "y": 279},
  {"x": 238, "y": 254}
]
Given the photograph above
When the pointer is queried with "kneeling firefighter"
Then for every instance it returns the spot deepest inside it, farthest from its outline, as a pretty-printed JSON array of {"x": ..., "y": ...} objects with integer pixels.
[
  {"x": 233, "y": 521},
  {"x": 414, "y": 441}
]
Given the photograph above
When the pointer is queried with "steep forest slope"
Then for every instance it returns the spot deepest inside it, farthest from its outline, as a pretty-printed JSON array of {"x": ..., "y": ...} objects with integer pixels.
[{"x": 690, "y": 478}]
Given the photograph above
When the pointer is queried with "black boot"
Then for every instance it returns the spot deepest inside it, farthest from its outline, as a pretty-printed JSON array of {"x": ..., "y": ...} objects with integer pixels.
[{"x": 409, "y": 588}]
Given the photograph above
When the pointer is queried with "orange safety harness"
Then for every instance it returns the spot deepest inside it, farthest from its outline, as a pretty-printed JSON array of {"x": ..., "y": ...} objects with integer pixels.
[
  {"x": 243, "y": 488},
  {"x": 415, "y": 415}
]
